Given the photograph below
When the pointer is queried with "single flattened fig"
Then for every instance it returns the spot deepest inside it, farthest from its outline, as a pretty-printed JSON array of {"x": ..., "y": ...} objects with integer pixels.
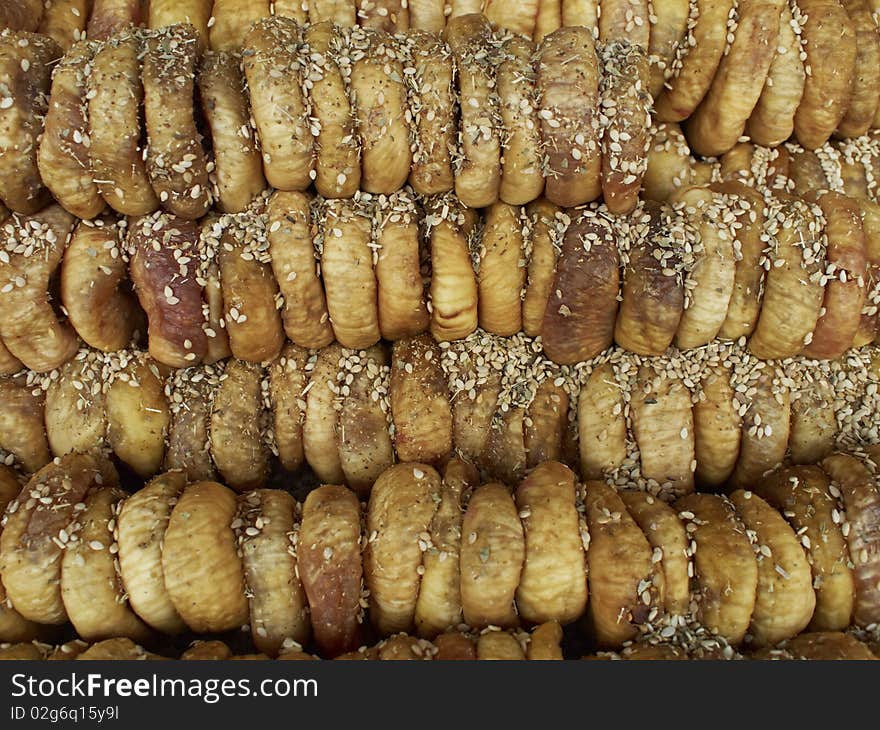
[
  {"x": 501, "y": 272},
  {"x": 329, "y": 562},
  {"x": 402, "y": 305},
  {"x": 274, "y": 66},
  {"x": 831, "y": 49},
  {"x": 141, "y": 525},
  {"x": 383, "y": 118},
  {"x": 431, "y": 99},
  {"x": 475, "y": 51},
  {"x": 31, "y": 249},
  {"x": 337, "y": 146},
  {"x": 492, "y": 554},
  {"x": 725, "y": 568},
  {"x": 26, "y": 61},
  {"x": 289, "y": 228},
  {"x": 115, "y": 99},
  {"x": 581, "y": 311},
  {"x": 22, "y": 429},
  {"x": 169, "y": 292},
  {"x": 238, "y": 167},
  {"x": 453, "y": 291},
  {"x": 278, "y": 605},
  {"x": 522, "y": 175},
  {"x": 402, "y": 504},
  {"x": 95, "y": 289},
  {"x": 420, "y": 404},
  {"x": 203, "y": 571},
  {"x": 237, "y": 423},
  {"x": 553, "y": 584},
  {"x": 348, "y": 272},
  {"x": 568, "y": 92},
  {"x": 624, "y": 581},
  {"x": 63, "y": 154},
  {"x": 601, "y": 423},
  {"x": 137, "y": 411},
  {"x": 652, "y": 293},
  {"x": 176, "y": 162}
]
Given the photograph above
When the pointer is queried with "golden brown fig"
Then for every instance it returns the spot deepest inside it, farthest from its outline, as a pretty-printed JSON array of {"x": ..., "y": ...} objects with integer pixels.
[
  {"x": 137, "y": 412},
  {"x": 453, "y": 281},
  {"x": 401, "y": 290},
  {"x": 25, "y": 73},
  {"x": 169, "y": 291},
  {"x": 196, "y": 13},
  {"x": 626, "y": 124},
  {"x": 666, "y": 534},
  {"x": 176, "y": 162},
  {"x": 30, "y": 252},
  {"x": 294, "y": 263},
  {"x": 237, "y": 164},
  {"x": 383, "y": 119},
  {"x": 568, "y": 89},
  {"x": 865, "y": 93},
  {"x": 501, "y": 273},
  {"x": 329, "y": 562},
  {"x": 725, "y": 568},
  {"x": 420, "y": 406},
  {"x": 95, "y": 289},
  {"x": 348, "y": 274},
  {"x": 553, "y": 585},
  {"x": 431, "y": 100},
  {"x": 337, "y": 147},
  {"x": 522, "y": 178},
  {"x": 63, "y": 155},
  {"x": 475, "y": 51},
  {"x": 492, "y": 553},
  {"x": 582, "y": 307},
  {"x": 402, "y": 505},
  {"x": 237, "y": 424},
  {"x": 288, "y": 380},
  {"x": 22, "y": 432},
  {"x": 141, "y": 525},
  {"x": 621, "y": 572},
  {"x": 845, "y": 271},
  {"x": 203, "y": 572},
  {"x": 278, "y": 607},
  {"x": 273, "y": 66},
  {"x": 249, "y": 289},
  {"x": 115, "y": 97},
  {"x": 830, "y": 47}
]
